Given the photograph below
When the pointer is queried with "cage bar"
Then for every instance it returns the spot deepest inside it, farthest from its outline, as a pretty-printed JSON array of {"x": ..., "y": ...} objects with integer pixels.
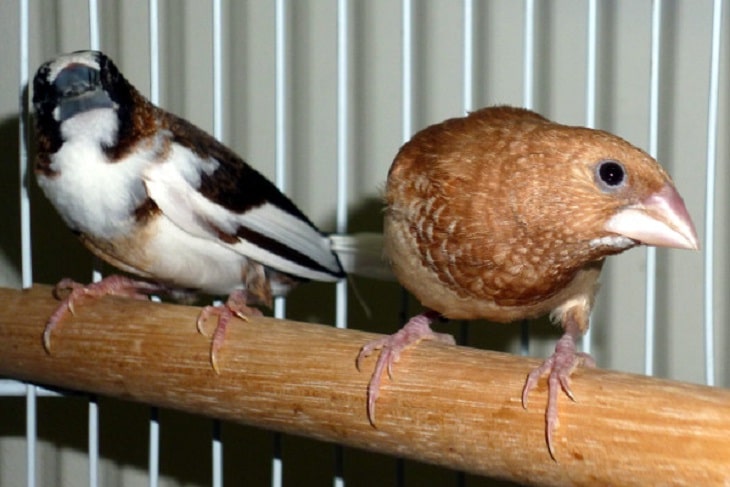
[
  {"x": 468, "y": 94},
  {"x": 94, "y": 43},
  {"x": 153, "y": 473},
  {"x": 407, "y": 68},
  {"x": 343, "y": 126},
  {"x": 711, "y": 164},
  {"x": 651, "y": 262},
  {"x": 281, "y": 134},
  {"x": 9, "y": 387}
]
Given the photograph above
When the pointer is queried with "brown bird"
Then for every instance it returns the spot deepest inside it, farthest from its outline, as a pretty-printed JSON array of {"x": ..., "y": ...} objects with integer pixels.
[{"x": 505, "y": 215}]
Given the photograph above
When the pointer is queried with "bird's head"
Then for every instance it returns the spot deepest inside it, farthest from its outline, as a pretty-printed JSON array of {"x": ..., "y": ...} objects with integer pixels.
[
  {"x": 620, "y": 195},
  {"x": 652, "y": 217},
  {"x": 79, "y": 84}
]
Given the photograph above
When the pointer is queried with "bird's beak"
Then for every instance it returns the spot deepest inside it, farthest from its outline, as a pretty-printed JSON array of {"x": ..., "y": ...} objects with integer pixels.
[
  {"x": 661, "y": 220},
  {"x": 78, "y": 89}
]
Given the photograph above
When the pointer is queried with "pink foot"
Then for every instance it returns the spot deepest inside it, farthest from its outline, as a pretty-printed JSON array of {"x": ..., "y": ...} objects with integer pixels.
[
  {"x": 560, "y": 366},
  {"x": 234, "y": 306},
  {"x": 112, "y": 285},
  {"x": 418, "y": 328}
]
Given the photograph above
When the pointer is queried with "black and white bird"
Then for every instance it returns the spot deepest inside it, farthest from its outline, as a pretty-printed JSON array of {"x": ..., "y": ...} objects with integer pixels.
[{"x": 159, "y": 198}]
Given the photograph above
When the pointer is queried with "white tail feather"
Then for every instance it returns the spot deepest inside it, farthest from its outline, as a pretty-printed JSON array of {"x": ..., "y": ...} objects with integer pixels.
[{"x": 361, "y": 254}]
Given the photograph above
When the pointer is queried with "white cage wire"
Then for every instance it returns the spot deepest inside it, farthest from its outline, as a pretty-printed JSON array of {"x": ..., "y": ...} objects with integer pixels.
[{"x": 318, "y": 95}]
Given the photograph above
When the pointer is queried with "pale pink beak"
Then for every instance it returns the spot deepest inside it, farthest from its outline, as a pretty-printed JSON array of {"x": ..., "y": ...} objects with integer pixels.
[{"x": 661, "y": 220}]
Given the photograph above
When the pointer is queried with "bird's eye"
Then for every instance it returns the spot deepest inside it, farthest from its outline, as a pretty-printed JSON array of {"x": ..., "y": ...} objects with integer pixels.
[{"x": 610, "y": 174}]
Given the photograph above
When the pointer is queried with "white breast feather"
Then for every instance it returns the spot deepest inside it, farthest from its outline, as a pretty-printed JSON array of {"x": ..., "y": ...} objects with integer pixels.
[
  {"x": 94, "y": 195},
  {"x": 191, "y": 262}
]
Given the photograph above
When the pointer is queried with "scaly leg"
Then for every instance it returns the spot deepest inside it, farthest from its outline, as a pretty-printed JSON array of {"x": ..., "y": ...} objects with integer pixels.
[
  {"x": 560, "y": 365},
  {"x": 418, "y": 328}
]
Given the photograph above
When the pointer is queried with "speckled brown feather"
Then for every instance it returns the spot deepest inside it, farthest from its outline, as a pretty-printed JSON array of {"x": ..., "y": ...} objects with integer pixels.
[
  {"x": 505, "y": 215},
  {"x": 496, "y": 212}
]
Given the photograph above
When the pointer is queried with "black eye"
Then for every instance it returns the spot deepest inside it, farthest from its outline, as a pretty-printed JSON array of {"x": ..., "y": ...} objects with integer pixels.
[{"x": 611, "y": 174}]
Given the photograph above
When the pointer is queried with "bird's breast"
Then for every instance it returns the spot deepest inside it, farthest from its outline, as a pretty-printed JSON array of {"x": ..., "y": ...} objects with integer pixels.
[
  {"x": 464, "y": 272},
  {"x": 92, "y": 194},
  {"x": 159, "y": 250}
]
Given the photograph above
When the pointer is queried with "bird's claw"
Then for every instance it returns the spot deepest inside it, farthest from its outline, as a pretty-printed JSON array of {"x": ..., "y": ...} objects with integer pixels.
[
  {"x": 47, "y": 338},
  {"x": 67, "y": 305},
  {"x": 370, "y": 347},
  {"x": 418, "y": 328},
  {"x": 112, "y": 285},
  {"x": 236, "y": 306},
  {"x": 559, "y": 366}
]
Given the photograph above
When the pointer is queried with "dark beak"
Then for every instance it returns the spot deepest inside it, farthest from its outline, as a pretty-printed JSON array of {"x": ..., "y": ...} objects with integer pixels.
[{"x": 79, "y": 89}]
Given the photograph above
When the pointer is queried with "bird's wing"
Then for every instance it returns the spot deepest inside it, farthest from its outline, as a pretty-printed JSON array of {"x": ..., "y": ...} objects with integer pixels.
[{"x": 222, "y": 199}]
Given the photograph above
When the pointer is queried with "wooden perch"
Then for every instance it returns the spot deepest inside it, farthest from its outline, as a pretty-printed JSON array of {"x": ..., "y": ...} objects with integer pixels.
[{"x": 452, "y": 406}]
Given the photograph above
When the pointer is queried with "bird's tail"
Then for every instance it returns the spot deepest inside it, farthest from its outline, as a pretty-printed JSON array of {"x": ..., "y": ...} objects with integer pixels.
[{"x": 361, "y": 254}]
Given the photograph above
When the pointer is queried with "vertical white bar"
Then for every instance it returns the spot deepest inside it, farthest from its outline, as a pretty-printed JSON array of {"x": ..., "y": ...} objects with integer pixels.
[
  {"x": 591, "y": 71},
  {"x": 709, "y": 243},
  {"x": 528, "y": 87},
  {"x": 280, "y": 115},
  {"x": 31, "y": 433},
  {"x": 591, "y": 63},
  {"x": 277, "y": 467},
  {"x": 217, "y": 70},
  {"x": 154, "y": 448},
  {"x": 96, "y": 263},
  {"x": 93, "y": 442},
  {"x": 25, "y": 238},
  {"x": 342, "y": 146},
  {"x": 342, "y": 114},
  {"x": 342, "y": 181},
  {"x": 94, "y": 24},
  {"x": 31, "y": 425},
  {"x": 96, "y": 276},
  {"x": 407, "y": 67},
  {"x": 94, "y": 44},
  {"x": 154, "y": 423},
  {"x": 217, "y": 447},
  {"x": 217, "y": 443},
  {"x": 468, "y": 89},
  {"x": 154, "y": 15},
  {"x": 280, "y": 87},
  {"x": 650, "y": 299}
]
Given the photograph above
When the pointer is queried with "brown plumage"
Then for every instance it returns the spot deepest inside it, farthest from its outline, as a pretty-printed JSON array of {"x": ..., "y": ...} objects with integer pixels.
[{"x": 505, "y": 215}]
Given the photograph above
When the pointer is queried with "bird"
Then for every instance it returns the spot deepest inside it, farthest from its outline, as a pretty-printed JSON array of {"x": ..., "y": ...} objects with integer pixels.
[
  {"x": 165, "y": 202},
  {"x": 505, "y": 215}
]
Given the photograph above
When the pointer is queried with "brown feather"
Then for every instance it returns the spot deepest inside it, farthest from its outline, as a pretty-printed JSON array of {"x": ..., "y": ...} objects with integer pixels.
[{"x": 496, "y": 211}]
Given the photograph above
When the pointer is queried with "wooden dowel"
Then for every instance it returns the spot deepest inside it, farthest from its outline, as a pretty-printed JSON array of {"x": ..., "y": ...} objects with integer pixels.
[{"x": 452, "y": 406}]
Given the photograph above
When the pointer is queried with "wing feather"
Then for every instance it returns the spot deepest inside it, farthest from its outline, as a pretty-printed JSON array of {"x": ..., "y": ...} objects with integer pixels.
[{"x": 265, "y": 230}]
